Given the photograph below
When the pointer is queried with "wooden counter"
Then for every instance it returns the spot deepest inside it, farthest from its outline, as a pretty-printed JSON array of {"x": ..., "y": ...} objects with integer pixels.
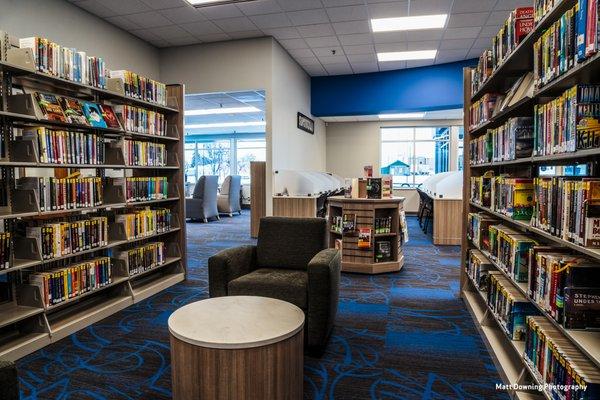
[
  {"x": 355, "y": 259},
  {"x": 446, "y": 214}
]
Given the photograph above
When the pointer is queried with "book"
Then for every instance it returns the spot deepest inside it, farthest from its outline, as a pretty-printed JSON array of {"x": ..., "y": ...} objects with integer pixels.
[
  {"x": 374, "y": 188},
  {"x": 140, "y": 87},
  {"x": 50, "y": 107},
  {"x": 143, "y": 258},
  {"x": 64, "y": 193},
  {"x": 145, "y": 222},
  {"x": 143, "y": 188},
  {"x": 141, "y": 153},
  {"x": 383, "y": 251},
  {"x": 109, "y": 116},
  {"x": 73, "y": 110},
  {"x": 348, "y": 223},
  {"x": 140, "y": 120},
  {"x": 65, "y": 147},
  {"x": 93, "y": 114},
  {"x": 478, "y": 268},
  {"x": 364, "y": 238}
]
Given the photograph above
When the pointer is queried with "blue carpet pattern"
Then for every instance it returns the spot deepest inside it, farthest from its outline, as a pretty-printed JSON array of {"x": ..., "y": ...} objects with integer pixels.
[{"x": 405, "y": 335}]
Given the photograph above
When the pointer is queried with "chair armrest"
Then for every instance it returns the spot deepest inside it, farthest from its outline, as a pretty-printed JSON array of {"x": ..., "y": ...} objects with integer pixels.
[
  {"x": 228, "y": 265},
  {"x": 9, "y": 381},
  {"x": 323, "y": 295}
]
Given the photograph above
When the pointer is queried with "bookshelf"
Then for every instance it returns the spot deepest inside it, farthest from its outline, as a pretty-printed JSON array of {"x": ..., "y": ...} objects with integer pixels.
[
  {"x": 382, "y": 217},
  {"x": 510, "y": 355},
  {"x": 27, "y": 321}
]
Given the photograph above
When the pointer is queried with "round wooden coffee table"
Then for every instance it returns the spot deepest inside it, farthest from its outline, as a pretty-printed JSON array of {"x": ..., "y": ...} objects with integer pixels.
[{"x": 237, "y": 347}]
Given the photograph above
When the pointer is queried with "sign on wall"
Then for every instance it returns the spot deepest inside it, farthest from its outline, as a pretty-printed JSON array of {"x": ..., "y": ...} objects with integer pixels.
[{"x": 306, "y": 124}]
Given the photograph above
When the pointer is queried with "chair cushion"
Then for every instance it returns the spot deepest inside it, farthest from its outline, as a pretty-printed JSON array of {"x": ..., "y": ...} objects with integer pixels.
[
  {"x": 283, "y": 284},
  {"x": 289, "y": 242}
]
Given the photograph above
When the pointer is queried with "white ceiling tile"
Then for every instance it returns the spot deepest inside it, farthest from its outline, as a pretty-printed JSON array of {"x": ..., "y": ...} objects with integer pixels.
[
  {"x": 145, "y": 34},
  {"x": 430, "y": 34},
  {"x": 359, "y": 49},
  {"x": 419, "y": 63},
  {"x": 510, "y": 5},
  {"x": 392, "y": 65},
  {"x": 315, "y": 70},
  {"x": 328, "y": 51},
  {"x": 362, "y": 58},
  {"x": 363, "y": 68},
  {"x": 456, "y": 44},
  {"x": 489, "y": 31},
  {"x": 351, "y": 27},
  {"x": 424, "y": 45},
  {"x": 316, "y": 30},
  {"x": 296, "y": 5},
  {"x": 96, "y": 8},
  {"x": 482, "y": 43},
  {"x": 466, "y": 6},
  {"x": 282, "y": 33},
  {"x": 279, "y": 20},
  {"x": 361, "y": 38},
  {"x": 160, "y": 43},
  {"x": 124, "y": 23},
  {"x": 338, "y": 3},
  {"x": 468, "y": 19},
  {"x": 214, "y": 37},
  {"x": 125, "y": 7},
  {"x": 445, "y": 56},
  {"x": 161, "y": 4},
  {"x": 475, "y": 52},
  {"x": 308, "y": 17},
  {"x": 389, "y": 37},
  {"x": 498, "y": 18},
  {"x": 182, "y": 15},
  {"x": 462, "y": 33},
  {"x": 325, "y": 41},
  {"x": 348, "y": 13},
  {"x": 338, "y": 69},
  {"x": 333, "y": 59},
  {"x": 201, "y": 28},
  {"x": 306, "y": 61},
  {"x": 246, "y": 34},
  {"x": 302, "y": 54},
  {"x": 149, "y": 19},
  {"x": 260, "y": 7},
  {"x": 170, "y": 32},
  {"x": 425, "y": 7},
  {"x": 222, "y": 11},
  {"x": 238, "y": 24},
  {"x": 294, "y": 44},
  {"x": 183, "y": 41},
  {"x": 389, "y": 47},
  {"x": 389, "y": 10}
]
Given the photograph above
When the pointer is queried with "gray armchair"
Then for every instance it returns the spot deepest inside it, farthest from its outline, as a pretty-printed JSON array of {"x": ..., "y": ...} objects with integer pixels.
[
  {"x": 203, "y": 204},
  {"x": 228, "y": 200},
  {"x": 290, "y": 262},
  {"x": 9, "y": 381}
]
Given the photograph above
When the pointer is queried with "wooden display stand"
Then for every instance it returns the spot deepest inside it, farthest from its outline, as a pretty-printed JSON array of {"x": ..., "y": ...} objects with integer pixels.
[{"x": 366, "y": 211}]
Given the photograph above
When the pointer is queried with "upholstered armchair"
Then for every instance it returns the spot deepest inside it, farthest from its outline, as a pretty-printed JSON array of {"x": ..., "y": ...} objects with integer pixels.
[
  {"x": 228, "y": 201},
  {"x": 9, "y": 381},
  {"x": 203, "y": 204},
  {"x": 290, "y": 262}
]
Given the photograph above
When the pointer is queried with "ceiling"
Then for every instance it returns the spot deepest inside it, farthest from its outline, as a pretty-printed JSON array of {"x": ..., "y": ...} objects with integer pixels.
[
  {"x": 209, "y": 101},
  {"x": 456, "y": 114},
  {"x": 311, "y": 29}
]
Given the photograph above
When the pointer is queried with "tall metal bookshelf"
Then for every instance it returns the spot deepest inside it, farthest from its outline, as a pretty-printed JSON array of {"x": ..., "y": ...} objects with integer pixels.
[
  {"x": 508, "y": 354},
  {"x": 26, "y": 324}
]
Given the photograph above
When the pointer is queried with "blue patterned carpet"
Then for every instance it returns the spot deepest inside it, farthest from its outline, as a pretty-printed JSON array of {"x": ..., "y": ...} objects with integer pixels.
[{"x": 398, "y": 336}]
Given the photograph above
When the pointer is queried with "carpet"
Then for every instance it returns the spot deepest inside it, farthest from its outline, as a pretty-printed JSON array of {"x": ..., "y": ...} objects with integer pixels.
[{"x": 404, "y": 335}]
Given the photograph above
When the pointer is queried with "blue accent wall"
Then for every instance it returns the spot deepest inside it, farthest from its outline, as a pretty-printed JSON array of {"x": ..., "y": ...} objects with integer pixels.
[{"x": 437, "y": 87}]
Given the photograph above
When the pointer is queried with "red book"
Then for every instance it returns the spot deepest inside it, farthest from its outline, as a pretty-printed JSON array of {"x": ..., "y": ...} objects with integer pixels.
[
  {"x": 591, "y": 32},
  {"x": 524, "y": 12}
]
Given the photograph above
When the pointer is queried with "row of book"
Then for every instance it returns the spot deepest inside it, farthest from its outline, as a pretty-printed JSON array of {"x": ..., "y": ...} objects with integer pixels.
[
  {"x": 144, "y": 188},
  {"x": 572, "y": 39},
  {"x": 70, "y": 64},
  {"x": 140, "y": 153},
  {"x": 510, "y": 141},
  {"x": 145, "y": 222},
  {"x": 519, "y": 24},
  {"x": 383, "y": 225},
  {"x": 64, "y": 193},
  {"x": 61, "y": 284},
  {"x": 566, "y": 372},
  {"x": 482, "y": 110},
  {"x": 66, "y": 63},
  {"x": 343, "y": 223},
  {"x": 143, "y": 258},
  {"x": 140, "y": 120},
  {"x": 477, "y": 268},
  {"x": 569, "y": 122},
  {"x": 63, "y": 238},
  {"x": 65, "y": 147},
  {"x": 142, "y": 88},
  {"x": 6, "y": 250},
  {"x": 563, "y": 284},
  {"x": 568, "y": 208},
  {"x": 508, "y": 305},
  {"x": 513, "y": 197}
]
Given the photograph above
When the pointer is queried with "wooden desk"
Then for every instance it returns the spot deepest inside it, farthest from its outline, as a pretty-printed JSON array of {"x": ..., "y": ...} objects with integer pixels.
[
  {"x": 447, "y": 214},
  {"x": 295, "y": 206},
  {"x": 237, "y": 347}
]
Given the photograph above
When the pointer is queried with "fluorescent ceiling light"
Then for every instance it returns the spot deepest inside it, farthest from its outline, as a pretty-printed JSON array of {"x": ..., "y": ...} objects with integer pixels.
[
  {"x": 226, "y": 125},
  {"x": 437, "y": 21},
  {"x": 407, "y": 55},
  {"x": 230, "y": 110},
  {"x": 417, "y": 115},
  {"x": 208, "y": 3}
]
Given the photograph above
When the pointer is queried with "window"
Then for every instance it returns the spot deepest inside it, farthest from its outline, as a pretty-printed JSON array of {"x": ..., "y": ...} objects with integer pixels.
[
  {"x": 249, "y": 150},
  {"x": 411, "y": 155}
]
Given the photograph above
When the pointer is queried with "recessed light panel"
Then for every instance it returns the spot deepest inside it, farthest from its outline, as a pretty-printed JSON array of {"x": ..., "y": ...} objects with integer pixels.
[
  {"x": 208, "y": 3},
  {"x": 417, "y": 115},
  {"x": 217, "y": 111},
  {"x": 437, "y": 21},
  {"x": 225, "y": 125},
  {"x": 407, "y": 55}
]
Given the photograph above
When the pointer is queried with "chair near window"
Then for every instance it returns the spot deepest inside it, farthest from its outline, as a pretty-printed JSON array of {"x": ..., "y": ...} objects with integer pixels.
[
  {"x": 203, "y": 204},
  {"x": 228, "y": 201}
]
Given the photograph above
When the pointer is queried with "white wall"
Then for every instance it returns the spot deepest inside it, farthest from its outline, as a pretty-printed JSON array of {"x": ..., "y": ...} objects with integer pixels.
[
  {"x": 68, "y": 25},
  {"x": 352, "y": 145}
]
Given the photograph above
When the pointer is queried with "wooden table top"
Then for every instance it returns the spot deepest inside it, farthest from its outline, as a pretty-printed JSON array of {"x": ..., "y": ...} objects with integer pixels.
[{"x": 236, "y": 322}]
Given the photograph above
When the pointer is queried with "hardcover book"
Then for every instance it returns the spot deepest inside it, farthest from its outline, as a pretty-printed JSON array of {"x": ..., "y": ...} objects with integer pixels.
[
  {"x": 109, "y": 116},
  {"x": 364, "y": 238},
  {"x": 383, "y": 251},
  {"x": 73, "y": 110},
  {"x": 94, "y": 115},
  {"x": 50, "y": 107}
]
